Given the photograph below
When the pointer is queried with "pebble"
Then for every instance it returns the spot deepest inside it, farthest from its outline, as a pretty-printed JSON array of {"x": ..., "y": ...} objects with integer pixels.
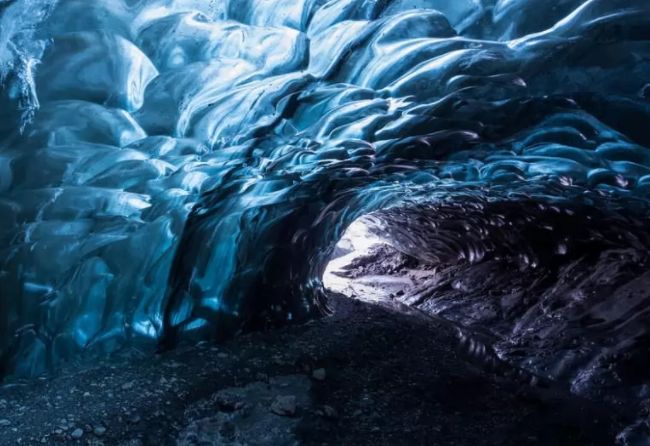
[
  {"x": 4, "y": 423},
  {"x": 134, "y": 418},
  {"x": 99, "y": 430},
  {"x": 284, "y": 405},
  {"x": 328, "y": 412},
  {"x": 77, "y": 433},
  {"x": 319, "y": 374},
  {"x": 228, "y": 403}
]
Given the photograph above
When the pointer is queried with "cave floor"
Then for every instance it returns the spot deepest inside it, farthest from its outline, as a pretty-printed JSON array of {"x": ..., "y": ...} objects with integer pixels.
[{"x": 368, "y": 375}]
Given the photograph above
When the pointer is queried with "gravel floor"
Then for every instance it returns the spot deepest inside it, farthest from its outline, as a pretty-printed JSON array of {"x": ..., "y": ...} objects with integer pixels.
[{"x": 371, "y": 374}]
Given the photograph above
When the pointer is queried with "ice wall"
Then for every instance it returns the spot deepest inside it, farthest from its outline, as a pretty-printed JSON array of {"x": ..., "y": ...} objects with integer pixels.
[{"x": 182, "y": 168}]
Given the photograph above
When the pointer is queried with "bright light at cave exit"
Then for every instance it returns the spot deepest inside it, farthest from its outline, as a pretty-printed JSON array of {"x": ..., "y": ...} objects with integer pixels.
[{"x": 357, "y": 241}]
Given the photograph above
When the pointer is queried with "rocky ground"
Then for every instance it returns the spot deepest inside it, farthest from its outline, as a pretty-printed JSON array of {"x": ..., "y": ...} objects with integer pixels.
[{"x": 371, "y": 374}]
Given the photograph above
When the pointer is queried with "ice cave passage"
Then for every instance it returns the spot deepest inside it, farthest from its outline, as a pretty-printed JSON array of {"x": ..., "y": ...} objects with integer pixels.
[{"x": 182, "y": 170}]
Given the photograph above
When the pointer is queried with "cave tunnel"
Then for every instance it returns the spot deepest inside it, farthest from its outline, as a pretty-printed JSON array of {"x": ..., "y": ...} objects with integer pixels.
[{"x": 289, "y": 222}]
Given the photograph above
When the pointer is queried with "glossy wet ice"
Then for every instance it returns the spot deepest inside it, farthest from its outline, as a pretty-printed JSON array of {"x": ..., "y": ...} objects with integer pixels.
[{"x": 183, "y": 169}]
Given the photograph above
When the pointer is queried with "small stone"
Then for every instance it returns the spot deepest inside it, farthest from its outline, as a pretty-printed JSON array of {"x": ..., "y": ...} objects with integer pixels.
[
  {"x": 127, "y": 386},
  {"x": 284, "y": 405},
  {"x": 77, "y": 433},
  {"x": 5, "y": 423},
  {"x": 328, "y": 412},
  {"x": 134, "y": 418},
  {"x": 228, "y": 403},
  {"x": 319, "y": 374},
  {"x": 99, "y": 430}
]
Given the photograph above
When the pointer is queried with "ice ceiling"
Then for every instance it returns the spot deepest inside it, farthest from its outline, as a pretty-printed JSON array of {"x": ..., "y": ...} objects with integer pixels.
[{"x": 183, "y": 168}]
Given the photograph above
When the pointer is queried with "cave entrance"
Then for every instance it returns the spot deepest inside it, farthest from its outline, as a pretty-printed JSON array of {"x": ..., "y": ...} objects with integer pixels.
[{"x": 366, "y": 265}]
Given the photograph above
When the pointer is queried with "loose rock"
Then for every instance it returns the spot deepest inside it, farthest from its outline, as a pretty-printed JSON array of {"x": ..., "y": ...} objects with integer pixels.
[
  {"x": 328, "y": 412},
  {"x": 77, "y": 433},
  {"x": 319, "y": 374},
  {"x": 284, "y": 405}
]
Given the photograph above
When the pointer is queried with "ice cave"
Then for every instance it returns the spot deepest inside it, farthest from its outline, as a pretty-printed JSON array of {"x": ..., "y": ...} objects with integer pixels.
[{"x": 284, "y": 222}]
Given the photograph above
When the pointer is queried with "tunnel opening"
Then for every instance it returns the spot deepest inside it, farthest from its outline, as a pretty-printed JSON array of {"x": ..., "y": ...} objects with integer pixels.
[
  {"x": 366, "y": 264},
  {"x": 554, "y": 286}
]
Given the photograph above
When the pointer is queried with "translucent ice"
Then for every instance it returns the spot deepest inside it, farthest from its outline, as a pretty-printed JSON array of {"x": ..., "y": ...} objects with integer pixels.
[{"x": 184, "y": 168}]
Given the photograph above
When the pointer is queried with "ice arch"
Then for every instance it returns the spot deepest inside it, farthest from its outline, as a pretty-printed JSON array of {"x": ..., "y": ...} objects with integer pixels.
[{"x": 178, "y": 168}]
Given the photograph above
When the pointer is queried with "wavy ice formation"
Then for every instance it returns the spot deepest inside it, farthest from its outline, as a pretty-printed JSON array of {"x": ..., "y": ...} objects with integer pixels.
[{"x": 184, "y": 168}]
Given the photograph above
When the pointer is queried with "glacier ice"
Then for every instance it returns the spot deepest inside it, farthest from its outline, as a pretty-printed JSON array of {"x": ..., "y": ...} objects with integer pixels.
[{"x": 177, "y": 169}]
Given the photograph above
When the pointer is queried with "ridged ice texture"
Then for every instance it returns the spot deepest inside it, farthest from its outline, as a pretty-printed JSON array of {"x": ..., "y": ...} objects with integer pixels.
[{"x": 174, "y": 168}]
